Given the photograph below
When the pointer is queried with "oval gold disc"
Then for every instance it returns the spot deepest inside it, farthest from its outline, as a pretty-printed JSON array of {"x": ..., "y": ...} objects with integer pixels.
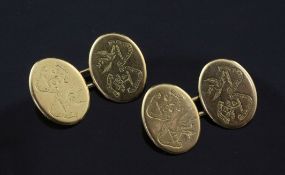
[
  {"x": 170, "y": 118},
  {"x": 59, "y": 91},
  {"x": 227, "y": 93},
  {"x": 117, "y": 67}
]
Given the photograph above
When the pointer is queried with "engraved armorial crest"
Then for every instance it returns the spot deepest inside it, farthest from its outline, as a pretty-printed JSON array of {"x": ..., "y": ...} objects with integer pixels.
[
  {"x": 176, "y": 124},
  {"x": 224, "y": 88},
  {"x": 227, "y": 93},
  {"x": 168, "y": 119},
  {"x": 170, "y": 116},
  {"x": 55, "y": 80},
  {"x": 163, "y": 105},
  {"x": 127, "y": 78},
  {"x": 117, "y": 67},
  {"x": 59, "y": 91}
]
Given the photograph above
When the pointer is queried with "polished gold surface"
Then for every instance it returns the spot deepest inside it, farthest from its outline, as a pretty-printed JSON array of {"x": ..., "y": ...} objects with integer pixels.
[
  {"x": 170, "y": 118},
  {"x": 59, "y": 91},
  {"x": 227, "y": 93},
  {"x": 117, "y": 67}
]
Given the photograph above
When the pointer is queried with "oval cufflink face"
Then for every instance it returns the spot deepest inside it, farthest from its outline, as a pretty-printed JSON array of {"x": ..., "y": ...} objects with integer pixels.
[
  {"x": 59, "y": 91},
  {"x": 117, "y": 67},
  {"x": 227, "y": 93},
  {"x": 170, "y": 118}
]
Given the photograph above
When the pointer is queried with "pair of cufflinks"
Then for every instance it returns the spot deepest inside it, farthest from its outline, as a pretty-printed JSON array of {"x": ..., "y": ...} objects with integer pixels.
[
  {"x": 170, "y": 116},
  {"x": 226, "y": 93},
  {"x": 61, "y": 92}
]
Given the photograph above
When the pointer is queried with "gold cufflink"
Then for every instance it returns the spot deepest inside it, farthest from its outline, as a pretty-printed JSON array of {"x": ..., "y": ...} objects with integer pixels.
[
  {"x": 227, "y": 93},
  {"x": 171, "y": 118},
  {"x": 116, "y": 67},
  {"x": 59, "y": 91}
]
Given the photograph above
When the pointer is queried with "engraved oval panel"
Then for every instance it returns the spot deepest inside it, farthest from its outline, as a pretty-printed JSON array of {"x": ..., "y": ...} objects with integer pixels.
[
  {"x": 227, "y": 93},
  {"x": 117, "y": 67},
  {"x": 59, "y": 91},
  {"x": 170, "y": 118}
]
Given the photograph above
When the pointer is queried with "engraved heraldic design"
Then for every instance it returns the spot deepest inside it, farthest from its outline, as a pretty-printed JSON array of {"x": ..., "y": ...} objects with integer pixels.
[
  {"x": 176, "y": 124},
  {"x": 120, "y": 77},
  {"x": 231, "y": 105},
  {"x": 55, "y": 80}
]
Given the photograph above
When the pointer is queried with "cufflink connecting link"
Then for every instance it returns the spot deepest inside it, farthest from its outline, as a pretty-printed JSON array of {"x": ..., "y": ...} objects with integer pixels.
[
  {"x": 172, "y": 120},
  {"x": 116, "y": 66}
]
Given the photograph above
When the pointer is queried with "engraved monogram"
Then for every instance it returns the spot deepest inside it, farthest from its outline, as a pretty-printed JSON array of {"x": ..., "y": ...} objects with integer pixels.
[
  {"x": 55, "y": 79},
  {"x": 231, "y": 104},
  {"x": 119, "y": 77},
  {"x": 176, "y": 124}
]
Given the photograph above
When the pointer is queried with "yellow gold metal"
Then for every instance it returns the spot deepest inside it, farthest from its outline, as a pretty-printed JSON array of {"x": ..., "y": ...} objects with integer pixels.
[
  {"x": 170, "y": 118},
  {"x": 90, "y": 85},
  {"x": 227, "y": 93},
  {"x": 117, "y": 67},
  {"x": 195, "y": 98},
  {"x": 201, "y": 113},
  {"x": 84, "y": 71},
  {"x": 59, "y": 91}
]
